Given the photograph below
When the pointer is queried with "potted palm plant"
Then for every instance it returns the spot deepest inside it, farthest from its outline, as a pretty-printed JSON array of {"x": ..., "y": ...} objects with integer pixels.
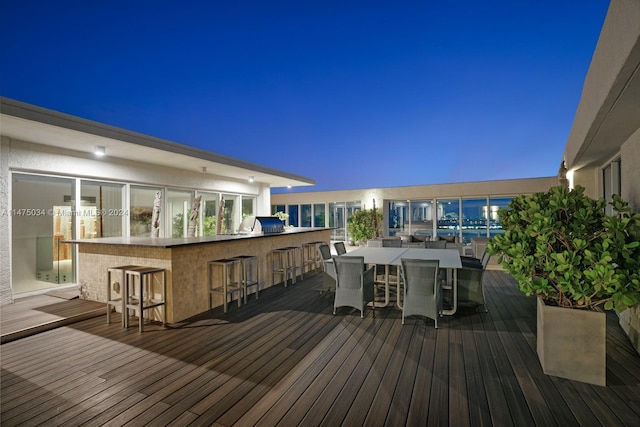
[{"x": 562, "y": 247}]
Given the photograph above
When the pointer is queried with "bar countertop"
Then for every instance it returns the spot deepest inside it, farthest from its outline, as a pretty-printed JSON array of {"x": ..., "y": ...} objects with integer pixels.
[{"x": 171, "y": 242}]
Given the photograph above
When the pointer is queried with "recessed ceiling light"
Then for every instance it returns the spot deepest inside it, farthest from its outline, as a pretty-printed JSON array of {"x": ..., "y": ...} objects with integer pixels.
[
  {"x": 251, "y": 179},
  {"x": 100, "y": 151}
]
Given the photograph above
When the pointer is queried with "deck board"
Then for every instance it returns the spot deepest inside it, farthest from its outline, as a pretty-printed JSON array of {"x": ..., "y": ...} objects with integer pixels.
[{"x": 285, "y": 359}]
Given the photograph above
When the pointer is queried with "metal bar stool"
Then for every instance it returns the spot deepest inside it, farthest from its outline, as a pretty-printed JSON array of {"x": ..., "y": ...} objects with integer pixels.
[
  {"x": 119, "y": 287},
  {"x": 281, "y": 265},
  {"x": 225, "y": 277},
  {"x": 144, "y": 297},
  {"x": 249, "y": 274}
]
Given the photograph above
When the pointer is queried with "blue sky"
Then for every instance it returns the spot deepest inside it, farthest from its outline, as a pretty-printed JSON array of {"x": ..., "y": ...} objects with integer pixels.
[{"x": 353, "y": 94}]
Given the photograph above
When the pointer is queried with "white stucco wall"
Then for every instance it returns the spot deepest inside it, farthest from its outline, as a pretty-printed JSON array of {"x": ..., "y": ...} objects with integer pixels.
[
  {"x": 630, "y": 172},
  {"x": 22, "y": 156},
  {"x": 5, "y": 240},
  {"x": 507, "y": 187}
]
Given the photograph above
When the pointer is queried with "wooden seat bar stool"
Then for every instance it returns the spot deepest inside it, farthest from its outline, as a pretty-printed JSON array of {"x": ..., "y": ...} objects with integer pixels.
[
  {"x": 144, "y": 296},
  {"x": 249, "y": 274},
  {"x": 117, "y": 285},
  {"x": 225, "y": 277},
  {"x": 311, "y": 256},
  {"x": 297, "y": 261},
  {"x": 282, "y": 265}
]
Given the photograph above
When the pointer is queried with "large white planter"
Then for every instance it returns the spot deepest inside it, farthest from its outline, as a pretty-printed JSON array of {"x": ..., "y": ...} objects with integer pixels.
[{"x": 572, "y": 344}]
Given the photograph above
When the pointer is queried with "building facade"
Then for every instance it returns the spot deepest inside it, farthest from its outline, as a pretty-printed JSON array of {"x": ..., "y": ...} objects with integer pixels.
[
  {"x": 602, "y": 154},
  {"x": 603, "y": 148},
  {"x": 63, "y": 177}
]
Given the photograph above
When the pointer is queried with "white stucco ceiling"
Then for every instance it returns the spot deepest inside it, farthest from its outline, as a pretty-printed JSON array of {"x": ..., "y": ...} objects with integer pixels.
[{"x": 29, "y": 123}]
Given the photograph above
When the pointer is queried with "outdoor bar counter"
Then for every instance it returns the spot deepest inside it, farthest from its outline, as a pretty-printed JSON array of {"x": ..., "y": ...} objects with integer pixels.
[{"x": 185, "y": 261}]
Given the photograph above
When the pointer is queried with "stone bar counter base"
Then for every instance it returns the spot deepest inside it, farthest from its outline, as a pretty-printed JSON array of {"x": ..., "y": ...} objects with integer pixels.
[{"x": 185, "y": 261}]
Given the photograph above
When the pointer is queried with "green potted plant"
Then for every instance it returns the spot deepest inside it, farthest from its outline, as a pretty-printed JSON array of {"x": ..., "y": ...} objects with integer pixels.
[
  {"x": 364, "y": 224},
  {"x": 562, "y": 247}
]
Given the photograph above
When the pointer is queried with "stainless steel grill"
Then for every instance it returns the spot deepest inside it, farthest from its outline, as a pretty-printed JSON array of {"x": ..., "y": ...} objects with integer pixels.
[{"x": 268, "y": 225}]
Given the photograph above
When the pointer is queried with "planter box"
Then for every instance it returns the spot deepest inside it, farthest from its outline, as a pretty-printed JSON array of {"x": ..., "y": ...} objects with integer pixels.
[{"x": 572, "y": 344}]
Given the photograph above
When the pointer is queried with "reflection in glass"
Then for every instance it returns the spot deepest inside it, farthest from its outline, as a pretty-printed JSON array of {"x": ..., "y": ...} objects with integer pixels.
[
  {"x": 42, "y": 216},
  {"x": 495, "y": 204},
  {"x": 102, "y": 211},
  {"x": 208, "y": 213},
  {"x": 319, "y": 215},
  {"x": 305, "y": 215},
  {"x": 230, "y": 216},
  {"x": 178, "y": 210},
  {"x": 398, "y": 219},
  {"x": 141, "y": 211},
  {"x": 474, "y": 219},
  {"x": 448, "y": 217},
  {"x": 292, "y": 210},
  {"x": 248, "y": 206}
]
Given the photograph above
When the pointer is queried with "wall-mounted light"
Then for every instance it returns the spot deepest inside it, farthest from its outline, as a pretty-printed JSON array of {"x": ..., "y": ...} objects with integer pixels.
[
  {"x": 251, "y": 179},
  {"x": 570, "y": 178},
  {"x": 289, "y": 186},
  {"x": 100, "y": 151}
]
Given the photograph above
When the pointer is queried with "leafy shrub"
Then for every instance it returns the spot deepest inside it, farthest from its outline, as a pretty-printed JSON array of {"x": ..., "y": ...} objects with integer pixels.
[{"x": 562, "y": 245}]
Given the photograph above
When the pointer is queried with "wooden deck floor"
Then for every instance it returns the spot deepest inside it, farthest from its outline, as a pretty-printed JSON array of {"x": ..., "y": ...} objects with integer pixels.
[{"x": 286, "y": 360}]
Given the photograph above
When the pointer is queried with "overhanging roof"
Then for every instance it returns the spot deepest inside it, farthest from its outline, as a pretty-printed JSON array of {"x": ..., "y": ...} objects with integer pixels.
[
  {"x": 609, "y": 109},
  {"x": 30, "y": 123}
]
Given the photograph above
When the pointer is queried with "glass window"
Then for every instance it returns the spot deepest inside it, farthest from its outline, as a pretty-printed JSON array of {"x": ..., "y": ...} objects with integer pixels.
[
  {"x": 143, "y": 200},
  {"x": 292, "y": 210},
  {"x": 337, "y": 221},
  {"x": 277, "y": 208},
  {"x": 350, "y": 208},
  {"x": 102, "y": 210},
  {"x": 305, "y": 215},
  {"x": 43, "y": 212},
  {"x": 319, "y": 215},
  {"x": 474, "y": 219},
  {"x": 398, "y": 218},
  {"x": 495, "y": 204},
  {"x": 178, "y": 211},
  {"x": 209, "y": 213},
  {"x": 248, "y": 206},
  {"x": 611, "y": 183},
  {"x": 448, "y": 217},
  {"x": 231, "y": 215},
  {"x": 422, "y": 217}
]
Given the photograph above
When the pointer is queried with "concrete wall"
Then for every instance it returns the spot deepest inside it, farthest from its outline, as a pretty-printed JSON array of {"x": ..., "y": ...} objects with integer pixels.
[{"x": 630, "y": 172}]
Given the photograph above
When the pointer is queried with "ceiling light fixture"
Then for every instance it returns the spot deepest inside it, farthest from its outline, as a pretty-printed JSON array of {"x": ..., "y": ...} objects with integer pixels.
[
  {"x": 251, "y": 179},
  {"x": 289, "y": 186},
  {"x": 100, "y": 151}
]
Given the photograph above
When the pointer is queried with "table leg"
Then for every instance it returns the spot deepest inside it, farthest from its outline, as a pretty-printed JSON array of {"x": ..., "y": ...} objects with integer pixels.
[
  {"x": 386, "y": 289},
  {"x": 454, "y": 303}
]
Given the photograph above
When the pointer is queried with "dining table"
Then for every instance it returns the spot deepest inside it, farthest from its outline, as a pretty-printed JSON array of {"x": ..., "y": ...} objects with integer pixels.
[{"x": 447, "y": 259}]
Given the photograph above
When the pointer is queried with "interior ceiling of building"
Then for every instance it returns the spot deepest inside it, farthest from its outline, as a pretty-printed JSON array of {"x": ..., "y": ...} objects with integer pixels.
[{"x": 70, "y": 133}]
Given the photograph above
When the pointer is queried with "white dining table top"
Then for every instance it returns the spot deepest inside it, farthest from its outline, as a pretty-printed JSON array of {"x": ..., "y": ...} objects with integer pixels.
[{"x": 448, "y": 258}]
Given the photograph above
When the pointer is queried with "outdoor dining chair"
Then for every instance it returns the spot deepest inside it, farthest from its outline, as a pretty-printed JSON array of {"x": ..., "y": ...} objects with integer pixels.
[
  {"x": 435, "y": 244},
  {"x": 354, "y": 284},
  {"x": 470, "y": 289},
  {"x": 340, "y": 248},
  {"x": 329, "y": 279},
  {"x": 422, "y": 294}
]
